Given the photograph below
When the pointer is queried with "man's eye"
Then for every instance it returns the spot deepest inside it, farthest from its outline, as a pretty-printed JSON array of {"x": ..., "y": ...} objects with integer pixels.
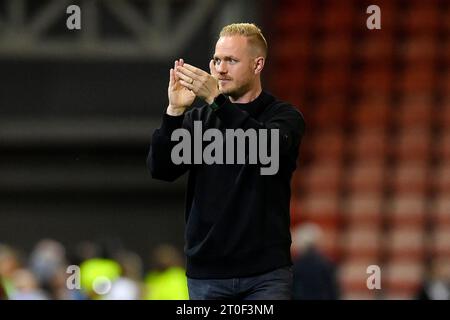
[
  {"x": 233, "y": 61},
  {"x": 216, "y": 61}
]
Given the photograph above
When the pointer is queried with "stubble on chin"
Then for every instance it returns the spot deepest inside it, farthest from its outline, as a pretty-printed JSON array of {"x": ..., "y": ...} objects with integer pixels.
[{"x": 230, "y": 91}]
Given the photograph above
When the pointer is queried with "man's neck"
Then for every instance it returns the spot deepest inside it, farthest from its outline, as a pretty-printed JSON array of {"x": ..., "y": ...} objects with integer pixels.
[{"x": 249, "y": 96}]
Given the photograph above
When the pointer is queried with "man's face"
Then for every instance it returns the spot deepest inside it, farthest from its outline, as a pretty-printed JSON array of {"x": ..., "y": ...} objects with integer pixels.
[{"x": 235, "y": 65}]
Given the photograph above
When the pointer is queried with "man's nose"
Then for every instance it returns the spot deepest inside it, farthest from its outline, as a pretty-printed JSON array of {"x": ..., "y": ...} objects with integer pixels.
[{"x": 221, "y": 67}]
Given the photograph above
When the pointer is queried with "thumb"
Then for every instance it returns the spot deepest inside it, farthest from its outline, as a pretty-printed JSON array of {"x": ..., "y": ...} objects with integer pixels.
[{"x": 171, "y": 78}]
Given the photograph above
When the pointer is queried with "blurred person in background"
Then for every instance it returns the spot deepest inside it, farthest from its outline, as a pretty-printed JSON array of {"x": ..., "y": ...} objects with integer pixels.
[
  {"x": 237, "y": 220},
  {"x": 10, "y": 262},
  {"x": 3, "y": 295},
  {"x": 436, "y": 285},
  {"x": 167, "y": 280},
  {"x": 85, "y": 250},
  {"x": 59, "y": 290},
  {"x": 26, "y": 286},
  {"x": 109, "y": 271},
  {"x": 128, "y": 285},
  {"x": 314, "y": 275},
  {"x": 97, "y": 276},
  {"x": 99, "y": 267},
  {"x": 46, "y": 259}
]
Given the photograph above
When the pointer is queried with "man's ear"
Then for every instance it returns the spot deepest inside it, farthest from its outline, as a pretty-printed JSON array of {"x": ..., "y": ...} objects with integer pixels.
[{"x": 259, "y": 64}]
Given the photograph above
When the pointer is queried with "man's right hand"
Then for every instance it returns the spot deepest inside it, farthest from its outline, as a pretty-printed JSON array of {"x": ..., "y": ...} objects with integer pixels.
[{"x": 180, "y": 98}]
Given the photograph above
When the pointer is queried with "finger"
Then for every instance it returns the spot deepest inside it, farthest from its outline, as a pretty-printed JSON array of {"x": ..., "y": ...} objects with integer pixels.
[
  {"x": 175, "y": 68},
  {"x": 193, "y": 69},
  {"x": 181, "y": 62},
  {"x": 186, "y": 85},
  {"x": 171, "y": 77},
  {"x": 184, "y": 77},
  {"x": 187, "y": 72}
]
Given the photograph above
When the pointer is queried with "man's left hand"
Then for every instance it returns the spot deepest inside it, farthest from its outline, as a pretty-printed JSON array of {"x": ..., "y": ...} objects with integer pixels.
[{"x": 203, "y": 84}]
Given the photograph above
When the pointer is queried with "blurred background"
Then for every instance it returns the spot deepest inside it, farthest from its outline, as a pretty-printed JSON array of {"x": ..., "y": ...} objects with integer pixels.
[{"x": 78, "y": 107}]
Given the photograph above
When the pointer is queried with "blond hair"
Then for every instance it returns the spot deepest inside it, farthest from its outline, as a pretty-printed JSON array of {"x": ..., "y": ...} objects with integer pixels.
[{"x": 250, "y": 31}]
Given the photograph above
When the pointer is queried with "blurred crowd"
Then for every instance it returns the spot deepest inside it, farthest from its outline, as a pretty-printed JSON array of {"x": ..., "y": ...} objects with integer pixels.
[
  {"x": 94, "y": 271},
  {"x": 105, "y": 270}
]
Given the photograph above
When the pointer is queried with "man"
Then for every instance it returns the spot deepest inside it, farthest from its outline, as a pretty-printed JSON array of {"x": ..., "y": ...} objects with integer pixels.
[
  {"x": 314, "y": 274},
  {"x": 237, "y": 219}
]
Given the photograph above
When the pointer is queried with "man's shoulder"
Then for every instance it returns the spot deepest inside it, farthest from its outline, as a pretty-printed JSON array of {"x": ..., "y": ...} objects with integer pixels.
[{"x": 281, "y": 106}]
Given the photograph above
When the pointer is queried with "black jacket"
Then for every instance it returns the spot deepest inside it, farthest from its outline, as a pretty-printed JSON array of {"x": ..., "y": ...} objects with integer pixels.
[{"x": 237, "y": 220}]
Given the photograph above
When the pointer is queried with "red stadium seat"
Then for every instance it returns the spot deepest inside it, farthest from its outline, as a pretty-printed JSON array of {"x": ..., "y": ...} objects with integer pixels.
[
  {"x": 336, "y": 17},
  {"x": 405, "y": 242},
  {"x": 443, "y": 116},
  {"x": 407, "y": 210},
  {"x": 295, "y": 16},
  {"x": 389, "y": 17},
  {"x": 402, "y": 278},
  {"x": 409, "y": 177},
  {"x": 372, "y": 111},
  {"x": 335, "y": 48},
  {"x": 442, "y": 146},
  {"x": 322, "y": 209},
  {"x": 352, "y": 277},
  {"x": 368, "y": 144},
  {"x": 412, "y": 144},
  {"x": 441, "y": 178},
  {"x": 329, "y": 111},
  {"x": 440, "y": 210},
  {"x": 363, "y": 209},
  {"x": 331, "y": 78},
  {"x": 361, "y": 242},
  {"x": 359, "y": 295},
  {"x": 297, "y": 47},
  {"x": 375, "y": 78},
  {"x": 329, "y": 243},
  {"x": 377, "y": 49},
  {"x": 322, "y": 177},
  {"x": 444, "y": 86},
  {"x": 417, "y": 78},
  {"x": 422, "y": 18},
  {"x": 328, "y": 145},
  {"x": 419, "y": 49},
  {"x": 445, "y": 46},
  {"x": 292, "y": 81},
  {"x": 365, "y": 176},
  {"x": 440, "y": 242},
  {"x": 415, "y": 111}
]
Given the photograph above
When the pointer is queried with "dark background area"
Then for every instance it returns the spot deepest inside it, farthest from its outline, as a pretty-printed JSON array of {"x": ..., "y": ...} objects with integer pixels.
[{"x": 74, "y": 136}]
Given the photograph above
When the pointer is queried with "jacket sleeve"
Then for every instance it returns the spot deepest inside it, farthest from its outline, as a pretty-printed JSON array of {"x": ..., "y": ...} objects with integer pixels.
[
  {"x": 288, "y": 120},
  {"x": 159, "y": 159}
]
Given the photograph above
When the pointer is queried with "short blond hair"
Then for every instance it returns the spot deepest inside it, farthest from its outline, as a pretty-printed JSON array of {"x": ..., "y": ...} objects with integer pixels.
[{"x": 248, "y": 30}]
